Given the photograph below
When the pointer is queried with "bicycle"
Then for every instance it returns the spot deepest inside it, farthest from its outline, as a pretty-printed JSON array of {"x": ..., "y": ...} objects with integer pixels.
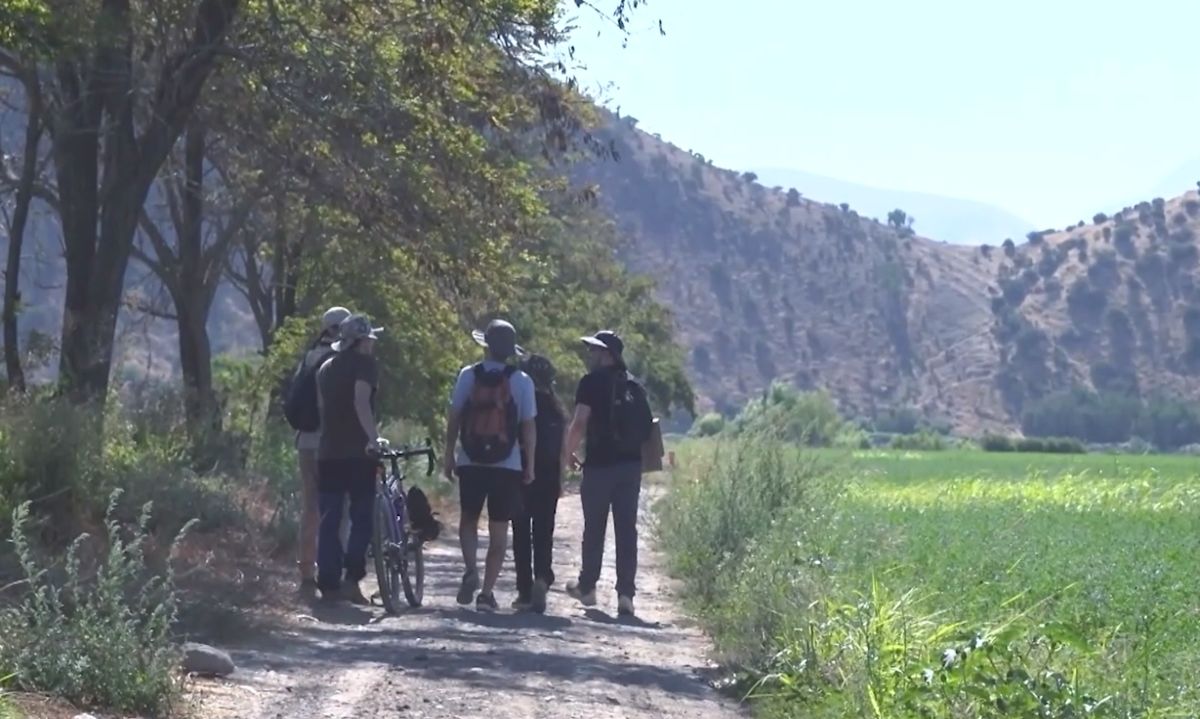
[{"x": 398, "y": 550}]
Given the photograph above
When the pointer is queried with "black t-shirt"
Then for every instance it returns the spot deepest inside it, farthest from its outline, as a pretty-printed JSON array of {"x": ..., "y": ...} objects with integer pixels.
[
  {"x": 596, "y": 391},
  {"x": 342, "y": 435}
]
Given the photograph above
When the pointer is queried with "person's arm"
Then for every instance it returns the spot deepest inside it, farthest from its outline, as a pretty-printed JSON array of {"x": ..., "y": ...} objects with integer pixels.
[
  {"x": 458, "y": 400},
  {"x": 528, "y": 411},
  {"x": 449, "y": 465},
  {"x": 529, "y": 445},
  {"x": 362, "y": 408},
  {"x": 575, "y": 433}
]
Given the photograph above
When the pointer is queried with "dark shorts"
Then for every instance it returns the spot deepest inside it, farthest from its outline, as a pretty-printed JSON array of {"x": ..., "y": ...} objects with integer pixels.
[{"x": 499, "y": 488}]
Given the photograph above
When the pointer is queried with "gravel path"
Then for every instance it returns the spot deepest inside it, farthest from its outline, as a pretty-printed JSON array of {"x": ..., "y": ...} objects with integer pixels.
[{"x": 443, "y": 661}]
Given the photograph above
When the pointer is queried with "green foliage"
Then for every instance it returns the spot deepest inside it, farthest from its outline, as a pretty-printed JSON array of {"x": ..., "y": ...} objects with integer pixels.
[
  {"x": 66, "y": 459},
  {"x": 97, "y": 642},
  {"x": 785, "y": 413},
  {"x": 1112, "y": 418},
  {"x": 924, "y": 441},
  {"x": 710, "y": 425}
]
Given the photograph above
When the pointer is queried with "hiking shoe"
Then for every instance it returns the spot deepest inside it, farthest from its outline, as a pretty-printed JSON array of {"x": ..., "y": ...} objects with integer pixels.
[
  {"x": 538, "y": 601},
  {"x": 486, "y": 602},
  {"x": 331, "y": 596},
  {"x": 624, "y": 606},
  {"x": 470, "y": 585},
  {"x": 353, "y": 594},
  {"x": 587, "y": 599},
  {"x": 522, "y": 603}
]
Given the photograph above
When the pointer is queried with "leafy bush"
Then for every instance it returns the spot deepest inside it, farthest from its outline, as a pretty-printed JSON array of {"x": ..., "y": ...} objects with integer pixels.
[
  {"x": 785, "y": 413},
  {"x": 1099, "y": 218},
  {"x": 924, "y": 441},
  {"x": 996, "y": 443},
  {"x": 99, "y": 642},
  {"x": 715, "y": 531},
  {"x": 710, "y": 425},
  {"x": 1049, "y": 445},
  {"x": 66, "y": 460}
]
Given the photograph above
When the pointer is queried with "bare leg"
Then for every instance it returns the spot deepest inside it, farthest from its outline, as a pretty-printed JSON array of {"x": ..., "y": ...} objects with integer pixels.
[
  {"x": 497, "y": 547},
  {"x": 468, "y": 537}
]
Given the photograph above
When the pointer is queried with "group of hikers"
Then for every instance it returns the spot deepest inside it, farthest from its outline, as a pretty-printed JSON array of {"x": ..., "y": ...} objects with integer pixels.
[{"x": 508, "y": 443}]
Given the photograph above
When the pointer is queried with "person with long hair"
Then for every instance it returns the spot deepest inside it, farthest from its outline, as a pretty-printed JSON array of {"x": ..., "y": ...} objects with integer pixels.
[{"x": 533, "y": 529}]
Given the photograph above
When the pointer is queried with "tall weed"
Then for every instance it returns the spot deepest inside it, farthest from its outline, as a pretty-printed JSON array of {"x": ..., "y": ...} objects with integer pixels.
[{"x": 102, "y": 640}]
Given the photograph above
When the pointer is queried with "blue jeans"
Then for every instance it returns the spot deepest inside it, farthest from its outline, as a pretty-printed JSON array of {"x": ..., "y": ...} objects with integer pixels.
[{"x": 337, "y": 480}]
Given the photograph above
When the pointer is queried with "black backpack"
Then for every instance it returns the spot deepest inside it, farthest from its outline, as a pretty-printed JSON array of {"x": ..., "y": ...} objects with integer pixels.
[
  {"x": 550, "y": 427},
  {"x": 300, "y": 406},
  {"x": 631, "y": 420},
  {"x": 420, "y": 515}
]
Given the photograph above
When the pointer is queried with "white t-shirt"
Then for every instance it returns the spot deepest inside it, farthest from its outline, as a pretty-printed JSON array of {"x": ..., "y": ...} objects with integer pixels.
[{"x": 521, "y": 387}]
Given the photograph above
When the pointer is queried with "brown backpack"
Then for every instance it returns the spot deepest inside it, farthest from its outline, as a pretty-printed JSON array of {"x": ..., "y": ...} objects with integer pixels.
[{"x": 489, "y": 420}]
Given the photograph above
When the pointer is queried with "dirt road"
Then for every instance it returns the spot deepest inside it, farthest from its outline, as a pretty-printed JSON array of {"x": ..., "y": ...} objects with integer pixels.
[{"x": 445, "y": 661}]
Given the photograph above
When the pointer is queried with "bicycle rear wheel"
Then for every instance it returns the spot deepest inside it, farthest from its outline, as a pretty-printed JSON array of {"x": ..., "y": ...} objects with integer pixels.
[
  {"x": 412, "y": 570},
  {"x": 387, "y": 537}
]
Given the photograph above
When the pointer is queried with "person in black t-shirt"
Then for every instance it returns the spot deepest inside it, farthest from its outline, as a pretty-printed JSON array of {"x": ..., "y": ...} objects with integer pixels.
[{"x": 612, "y": 479}]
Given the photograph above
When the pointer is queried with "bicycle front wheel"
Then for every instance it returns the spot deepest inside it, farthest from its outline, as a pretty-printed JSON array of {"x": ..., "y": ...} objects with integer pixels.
[
  {"x": 386, "y": 539},
  {"x": 412, "y": 571}
]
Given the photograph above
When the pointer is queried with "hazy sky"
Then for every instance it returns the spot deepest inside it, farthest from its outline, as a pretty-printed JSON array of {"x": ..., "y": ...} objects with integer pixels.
[{"x": 1052, "y": 109}]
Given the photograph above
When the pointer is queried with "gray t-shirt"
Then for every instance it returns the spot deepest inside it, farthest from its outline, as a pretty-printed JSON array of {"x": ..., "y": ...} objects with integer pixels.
[
  {"x": 521, "y": 387},
  {"x": 312, "y": 440},
  {"x": 342, "y": 435}
]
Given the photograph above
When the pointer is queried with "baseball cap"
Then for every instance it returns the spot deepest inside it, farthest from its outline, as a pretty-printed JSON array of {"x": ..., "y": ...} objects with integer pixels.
[
  {"x": 333, "y": 317},
  {"x": 606, "y": 340},
  {"x": 355, "y": 328},
  {"x": 500, "y": 338}
]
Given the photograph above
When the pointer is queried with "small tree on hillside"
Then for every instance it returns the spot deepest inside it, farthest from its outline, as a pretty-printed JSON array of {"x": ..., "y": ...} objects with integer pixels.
[{"x": 900, "y": 221}]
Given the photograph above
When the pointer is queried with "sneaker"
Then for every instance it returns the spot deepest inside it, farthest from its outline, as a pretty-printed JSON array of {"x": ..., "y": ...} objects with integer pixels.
[
  {"x": 522, "y": 603},
  {"x": 624, "y": 606},
  {"x": 308, "y": 587},
  {"x": 587, "y": 599},
  {"x": 538, "y": 602},
  {"x": 486, "y": 602},
  {"x": 470, "y": 585},
  {"x": 331, "y": 596},
  {"x": 353, "y": 594}
]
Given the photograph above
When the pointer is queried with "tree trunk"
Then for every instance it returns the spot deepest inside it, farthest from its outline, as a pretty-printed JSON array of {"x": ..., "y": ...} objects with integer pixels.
[
  {"x": 16, "y": 239},
  {"x": 193, "y": 298},
  {"x": 99, "y": 223}
]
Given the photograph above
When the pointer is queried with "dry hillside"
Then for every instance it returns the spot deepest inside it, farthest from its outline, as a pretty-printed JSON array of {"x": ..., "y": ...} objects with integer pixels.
[
  {"x": 1112, "y": 305},
  {"x": 767, "y": 284}
]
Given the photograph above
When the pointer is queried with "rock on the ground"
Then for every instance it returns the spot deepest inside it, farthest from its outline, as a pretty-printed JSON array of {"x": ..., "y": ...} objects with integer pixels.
[{"x": 206, "y": 661}]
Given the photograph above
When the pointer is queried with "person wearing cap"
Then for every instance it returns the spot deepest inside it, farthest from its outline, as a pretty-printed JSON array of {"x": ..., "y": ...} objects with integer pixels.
[
  {"x": 612, "y": 479},
  {"x": 494, "y": 483},
  {"x": 346, "y": 387},
  {"x": 533, "y": 529},
  {"x": 307, "y": 444}
]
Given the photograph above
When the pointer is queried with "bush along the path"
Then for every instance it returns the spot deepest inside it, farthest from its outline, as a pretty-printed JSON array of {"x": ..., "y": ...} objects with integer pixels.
[{"x": 99, "y": 638}]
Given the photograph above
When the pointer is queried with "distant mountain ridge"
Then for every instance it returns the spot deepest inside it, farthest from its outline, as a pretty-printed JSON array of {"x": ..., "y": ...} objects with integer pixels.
[{"x": 949, "y": 219}]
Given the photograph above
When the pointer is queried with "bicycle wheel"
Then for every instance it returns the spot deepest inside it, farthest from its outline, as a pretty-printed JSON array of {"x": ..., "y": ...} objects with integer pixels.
[
  {"x": 386, "y": 567},
  {"x": 412, "y": 570}
]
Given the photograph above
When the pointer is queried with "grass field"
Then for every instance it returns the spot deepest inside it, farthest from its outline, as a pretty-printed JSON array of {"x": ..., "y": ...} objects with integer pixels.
[{"x": 1077, "y": 579}]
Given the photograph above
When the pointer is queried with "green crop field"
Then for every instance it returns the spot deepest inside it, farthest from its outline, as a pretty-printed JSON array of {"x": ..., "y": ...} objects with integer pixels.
[{"x": 1062, "y": 585}]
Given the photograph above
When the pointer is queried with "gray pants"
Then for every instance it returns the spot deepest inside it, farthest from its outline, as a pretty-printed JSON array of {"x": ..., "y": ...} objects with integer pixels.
[{"x": 617, "y": 487}]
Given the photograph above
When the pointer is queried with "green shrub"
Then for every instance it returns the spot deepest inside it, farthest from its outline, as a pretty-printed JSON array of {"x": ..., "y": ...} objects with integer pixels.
[
  {"x": 996, "y": 443},
  {"x": 710, "y": 425},
  {"x": 923, "y": 441},
  {"x": 785, "y": 413},
  {"x": 102, "y": 642},
  {"x": 1049, "y": 445},
  {"x": 744, "y": 493}
]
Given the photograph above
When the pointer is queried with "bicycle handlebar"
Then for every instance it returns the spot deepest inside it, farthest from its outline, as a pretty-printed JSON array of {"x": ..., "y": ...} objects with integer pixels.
[{"x": 409, "y": 453}]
